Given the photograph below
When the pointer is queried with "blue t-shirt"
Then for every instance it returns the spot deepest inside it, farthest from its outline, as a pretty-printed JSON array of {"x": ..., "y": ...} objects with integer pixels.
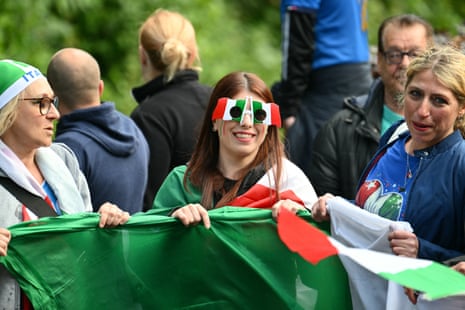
[
  {"x": 387, "y": 185},
  {"x": 341, "y": 34}
]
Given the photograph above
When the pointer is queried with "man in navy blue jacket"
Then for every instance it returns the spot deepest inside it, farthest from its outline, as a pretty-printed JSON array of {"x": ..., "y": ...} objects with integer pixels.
[{"x": 112, "y": 151}]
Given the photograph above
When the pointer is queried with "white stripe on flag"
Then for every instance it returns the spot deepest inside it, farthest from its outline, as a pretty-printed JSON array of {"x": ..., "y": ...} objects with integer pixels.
[{"x": 229, "y": 104}]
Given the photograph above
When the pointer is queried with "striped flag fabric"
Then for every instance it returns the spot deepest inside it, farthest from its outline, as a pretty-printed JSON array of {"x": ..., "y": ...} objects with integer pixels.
[
  {"x": 294, "y": 186},
  {"x": 222, "y": 109},
  {"x": 433, "y": 279},
  {"x": 224, "y": 106}
]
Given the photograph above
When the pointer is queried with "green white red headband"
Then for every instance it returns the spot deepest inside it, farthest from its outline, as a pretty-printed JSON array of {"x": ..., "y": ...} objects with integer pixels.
[
  {"x": 235, "y": 109},
  {"x": 15, "y": 76}
]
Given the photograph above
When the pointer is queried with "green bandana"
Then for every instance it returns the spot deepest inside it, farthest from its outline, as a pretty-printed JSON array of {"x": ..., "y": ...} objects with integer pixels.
[{"x": 15, "y": 76}]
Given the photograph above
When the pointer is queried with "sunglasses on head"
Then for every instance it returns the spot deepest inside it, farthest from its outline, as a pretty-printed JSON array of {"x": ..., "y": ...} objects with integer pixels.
[{"x": 235, "y": 109}]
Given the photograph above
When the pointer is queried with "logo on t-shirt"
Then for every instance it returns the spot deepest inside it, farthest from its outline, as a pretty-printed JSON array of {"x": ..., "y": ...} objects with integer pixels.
[{"x": 371, "y": 198}]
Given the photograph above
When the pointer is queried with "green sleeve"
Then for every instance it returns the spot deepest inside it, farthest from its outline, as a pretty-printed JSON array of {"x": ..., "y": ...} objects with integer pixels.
[{"x": 172, "y": 193}]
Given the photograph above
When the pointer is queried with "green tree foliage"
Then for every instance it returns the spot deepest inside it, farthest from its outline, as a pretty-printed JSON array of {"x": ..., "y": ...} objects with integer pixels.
[
  {"x": 446, "y": 16},
  {"x": 232, "y": 35}
]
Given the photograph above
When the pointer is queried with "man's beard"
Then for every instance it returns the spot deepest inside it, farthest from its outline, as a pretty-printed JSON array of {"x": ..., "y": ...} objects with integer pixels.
[{"x": 401, "y": 77}]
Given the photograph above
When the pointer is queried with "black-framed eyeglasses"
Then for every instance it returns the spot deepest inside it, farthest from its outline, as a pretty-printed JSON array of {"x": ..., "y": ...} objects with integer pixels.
[
  {"x": 45, "y": 103},
  {"x": 396, "y": 57}
]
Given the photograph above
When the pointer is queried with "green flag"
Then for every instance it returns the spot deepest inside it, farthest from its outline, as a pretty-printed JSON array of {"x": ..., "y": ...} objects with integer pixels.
[{"x": 154, "y": 262}]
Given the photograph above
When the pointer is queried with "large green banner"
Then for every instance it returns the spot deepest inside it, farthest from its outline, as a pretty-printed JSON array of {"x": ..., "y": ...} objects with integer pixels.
[{"x": 154, "y": 262}]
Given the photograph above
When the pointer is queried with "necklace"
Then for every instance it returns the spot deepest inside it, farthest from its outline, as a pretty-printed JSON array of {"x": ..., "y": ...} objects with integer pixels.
[{"x": 408, "y": 174}]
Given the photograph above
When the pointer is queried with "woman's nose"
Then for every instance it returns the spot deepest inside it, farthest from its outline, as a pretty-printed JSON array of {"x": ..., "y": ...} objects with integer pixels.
[
  {"x": 53, "y": 113},
  {"x": 247, "y": 119}
]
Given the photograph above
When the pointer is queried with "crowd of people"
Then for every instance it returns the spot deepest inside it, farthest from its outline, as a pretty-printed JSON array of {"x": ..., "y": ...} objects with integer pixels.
[
  {"x": 345, "y": 144},
  {"x": 418, "y": 176},
  {"x": 394, "y": 148}
]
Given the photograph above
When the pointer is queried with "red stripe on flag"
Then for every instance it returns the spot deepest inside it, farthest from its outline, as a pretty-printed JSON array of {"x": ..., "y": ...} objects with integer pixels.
[
  {"x": 261, "y": 196},
  {"x": 25, "y": 214},
  {"x": 221, "y": 104},
  {"x": 301, "y": 237},
  {"x": 275, "y": 115}
]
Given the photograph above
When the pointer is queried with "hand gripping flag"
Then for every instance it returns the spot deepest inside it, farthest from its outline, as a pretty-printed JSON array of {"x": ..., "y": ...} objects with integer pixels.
[{"x": 435, "y": 280}]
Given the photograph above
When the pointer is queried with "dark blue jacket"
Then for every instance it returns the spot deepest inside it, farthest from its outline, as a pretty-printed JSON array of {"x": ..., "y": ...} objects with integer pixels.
[
  {"x": 435, "y": 206},
  {"x": 112, "y": 153}
]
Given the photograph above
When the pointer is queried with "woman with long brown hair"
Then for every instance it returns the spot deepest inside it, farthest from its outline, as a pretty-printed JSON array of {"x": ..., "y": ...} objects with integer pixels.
[{"x": 239, "y": 158}]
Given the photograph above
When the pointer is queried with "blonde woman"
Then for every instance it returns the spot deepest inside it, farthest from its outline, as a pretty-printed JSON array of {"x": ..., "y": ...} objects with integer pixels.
[
  {"x": 31, "y": 166},
  {"x": 172, "y": 101},
  {"x": 420, "y": 177}
]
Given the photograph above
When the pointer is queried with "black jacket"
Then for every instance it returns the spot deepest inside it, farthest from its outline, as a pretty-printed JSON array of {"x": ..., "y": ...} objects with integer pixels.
[
  {"x": 346, "y": 143},
  {"x": 169, "y": 115}
]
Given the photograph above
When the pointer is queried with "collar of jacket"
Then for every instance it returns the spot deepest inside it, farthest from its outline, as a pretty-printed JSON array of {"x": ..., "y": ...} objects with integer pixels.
[
  {"x": 363, "y": 104},
  {"x": 442, "y": 146},
  {"x": 367, "y": 111},
  {"x": 157, "y": 84}
]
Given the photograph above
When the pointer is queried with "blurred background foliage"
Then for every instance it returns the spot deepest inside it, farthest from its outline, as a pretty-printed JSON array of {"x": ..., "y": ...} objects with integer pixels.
[{"x": 232, "y": 35}]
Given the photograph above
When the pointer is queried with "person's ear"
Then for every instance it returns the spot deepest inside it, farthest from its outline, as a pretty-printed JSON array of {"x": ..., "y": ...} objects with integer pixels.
[
  {"x": 461, "y": 111},
  {"x": 101, "y": 87}
]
